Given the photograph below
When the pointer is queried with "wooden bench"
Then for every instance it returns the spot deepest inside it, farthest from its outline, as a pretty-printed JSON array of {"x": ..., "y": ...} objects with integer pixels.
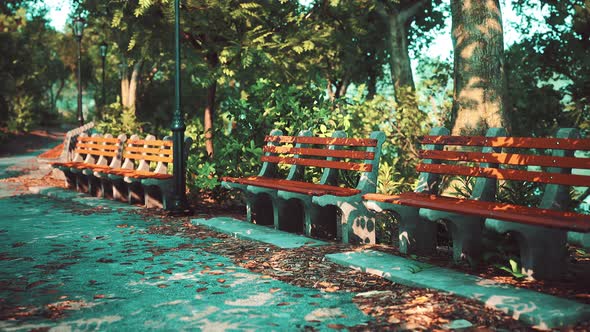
[
  {"x": 541, "y": 231},
  {"x": 145, "y": 174},
  {"x": 90, "y": 153},
  {"x": 295, "y": 202}
]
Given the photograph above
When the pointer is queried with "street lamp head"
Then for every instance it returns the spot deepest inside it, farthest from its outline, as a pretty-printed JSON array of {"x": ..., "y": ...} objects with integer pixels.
[
  {"x": 79, "y": 27},
  {"x": 103, "y": 49}
]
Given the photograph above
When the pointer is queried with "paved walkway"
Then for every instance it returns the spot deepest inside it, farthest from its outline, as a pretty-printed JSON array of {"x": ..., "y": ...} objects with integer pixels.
[
  {"x": 69, "y": 261},
  {"x": 73, "y": 266}
]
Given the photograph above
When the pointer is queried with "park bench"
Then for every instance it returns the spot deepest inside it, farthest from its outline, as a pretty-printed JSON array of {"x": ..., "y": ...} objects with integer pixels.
[
  {"x": 325, "y": 207},
  {"x": 91, "y": 153},
  {"x": 541, "y": 231},
  {"x": 144, "y": 176}
]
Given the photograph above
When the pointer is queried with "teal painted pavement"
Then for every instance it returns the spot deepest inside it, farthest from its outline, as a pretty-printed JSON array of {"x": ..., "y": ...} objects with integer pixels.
[
  {"x": 73, "y": 267},
  {"x": 249, "y": 231},
  {"x": 541, "y": 310}
]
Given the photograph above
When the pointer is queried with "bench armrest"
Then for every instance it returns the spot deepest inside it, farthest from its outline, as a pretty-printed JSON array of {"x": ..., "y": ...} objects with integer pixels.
[
  {"x": 270, "y": 169},
  {"x": 368, "y": 180}
]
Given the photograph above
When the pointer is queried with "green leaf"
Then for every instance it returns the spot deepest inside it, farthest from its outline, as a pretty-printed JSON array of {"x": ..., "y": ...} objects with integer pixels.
[{"x": 514, "y": 265}]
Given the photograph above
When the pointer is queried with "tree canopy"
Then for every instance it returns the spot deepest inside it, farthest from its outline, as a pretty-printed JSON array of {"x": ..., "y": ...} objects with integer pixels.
[{"x": 250, "y": 66}]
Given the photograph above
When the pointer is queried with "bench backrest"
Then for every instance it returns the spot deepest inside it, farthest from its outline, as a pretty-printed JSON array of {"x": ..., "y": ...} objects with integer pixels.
[
  {"x": 329, "y": 153},
  {"x": 150, "y": 154},
  {"x": 555, "y": 169},
  {"x": 68, "y": 153},
  {"x": 99, "y": 150}
]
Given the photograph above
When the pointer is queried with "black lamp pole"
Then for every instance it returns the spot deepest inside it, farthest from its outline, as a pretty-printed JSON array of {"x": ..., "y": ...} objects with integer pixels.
[
  {"x": 178, "y": 204},
  {"x": 103, "y": 54},
  {"x": 78, "y": 31}
]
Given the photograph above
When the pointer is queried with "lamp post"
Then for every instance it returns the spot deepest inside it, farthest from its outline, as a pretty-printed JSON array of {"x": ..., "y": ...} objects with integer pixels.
[
  {"x": 178, "y": 203},
  {"x": 122, "y": 73},
  {"x": 103, "y": 54},
  {"x": 78, "y": 32}
]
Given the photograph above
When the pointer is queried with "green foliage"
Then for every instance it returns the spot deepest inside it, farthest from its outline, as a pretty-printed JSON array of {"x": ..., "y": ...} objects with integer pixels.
[
  {"x": 118, "y": 120},
  {"x": 549, "y": 71},
  {"x": 245, "y": 118},
  {"x": 435, "y": 90},
  {"x": 513, "y": 269},
  {"x": 403, "y": 123},
  {"x": 13, "y": 21},
  {"x": 513, "y": 192},
  {"x": 22, "y": 116},
  {"x": 518, "y": 192},
  {"x": 29, "y": 68},
  {"x": 461, "y": 187}
]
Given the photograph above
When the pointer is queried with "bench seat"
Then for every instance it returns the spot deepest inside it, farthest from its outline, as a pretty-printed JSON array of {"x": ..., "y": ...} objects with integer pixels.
[
  {"x": 136, "y": 174},
  {"x": 68, "y": 164},
  {"x": 485, "y": 172},
  {"x": 145, "y": 174},
  {"x": 92, "y": 153},
  {"x": 301, "y": 187},
  {"x": 319, "y": 204},
  {"x": 509, "y": 212}
]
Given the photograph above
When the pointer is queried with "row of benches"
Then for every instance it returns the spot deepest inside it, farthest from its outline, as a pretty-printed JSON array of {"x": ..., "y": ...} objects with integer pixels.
[
  {"x": 134, "y": 170},
  {"x": 295, "y": 202}
]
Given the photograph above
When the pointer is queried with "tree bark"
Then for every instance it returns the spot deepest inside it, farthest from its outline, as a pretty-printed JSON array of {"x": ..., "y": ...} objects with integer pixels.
[
  {"x": 337, "y": 89},
  {"x": 124, "y": 85},
  {"x": 371, "y": 81},
  {"x": 399, "y": 59},
  {"x": 135, "y": 75},
  {"x": 398, "y": 20},
  {"x": 129, "y": 85},
  {"x": 479, "y": 96},
  {"x": 62, "y": 84},
  {"x": 208, "y": 119}
]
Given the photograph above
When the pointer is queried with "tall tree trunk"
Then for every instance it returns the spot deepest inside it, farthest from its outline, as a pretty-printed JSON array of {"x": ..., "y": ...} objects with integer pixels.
[
  {"x": 343, "y": 87},
  {"x": 479, "y": 96},
  {"x": 62, "y": 84},
  {"x": 212, "y": 59},
  {"x": 399, "y": 59},
  {"x": 398, "y": 20},
  {"x": 124, "y": 84},
  {"x": 330, "y": 90},
  {"x": 129, "y": 85},
  {"x": 208, "y": 119},
  {"x": 337, "y": 88},
  {"x": 371, "y": 81},
  {"x": 135, "y": 75}
]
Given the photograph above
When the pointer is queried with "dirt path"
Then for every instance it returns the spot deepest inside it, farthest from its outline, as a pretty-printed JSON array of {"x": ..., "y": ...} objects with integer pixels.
[{"x": 25, "y": 143}]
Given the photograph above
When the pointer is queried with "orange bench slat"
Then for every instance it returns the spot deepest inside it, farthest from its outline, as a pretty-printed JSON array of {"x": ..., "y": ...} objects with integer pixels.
[
  {"x": 507, "y": 174},
  {"x": 507, "y": 158},
  {"x": 318, "y": 163},
  {"x": 294, "y": 186},
  {"x": 97, "y": 152},
  {"x": 147, "y": 157},
  {"x": 509, "y": 212},
  {"x": 98, "y": 139},
  {"x": 156, "y": 150},
  {"x": 97, "y": 146},
  {"x": 150, "y": 142},
  {"x": 321, "y": 140},
  {"x": 136, "y": 174},
  {"x": 320, "y": 152},
  {"x": 510, "y": 142},
  {"x": 66, "y": 164}
]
